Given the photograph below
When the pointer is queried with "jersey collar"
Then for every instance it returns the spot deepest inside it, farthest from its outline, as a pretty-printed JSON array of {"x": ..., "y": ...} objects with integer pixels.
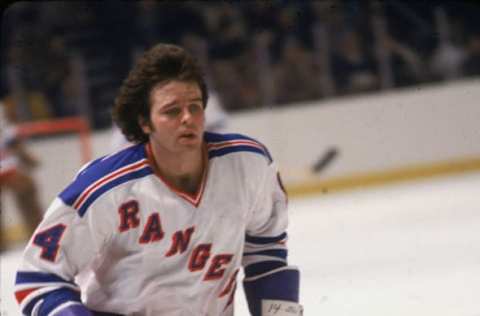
[{"x": 193, "y": 199}]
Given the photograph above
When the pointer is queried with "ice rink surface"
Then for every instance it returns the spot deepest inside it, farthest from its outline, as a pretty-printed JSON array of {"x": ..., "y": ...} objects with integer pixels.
[{"x": 405, "y": 249}]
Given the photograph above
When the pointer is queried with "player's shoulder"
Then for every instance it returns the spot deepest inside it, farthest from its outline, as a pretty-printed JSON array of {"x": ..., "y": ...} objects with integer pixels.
[
  {"x": 105, "y": 173},
  {"x": 125, "y": 159},
  {"x": 232, "y": 144}
]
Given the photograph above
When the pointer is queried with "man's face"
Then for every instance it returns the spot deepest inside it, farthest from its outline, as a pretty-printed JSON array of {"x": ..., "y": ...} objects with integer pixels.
[{"x": 177, "y": 117}]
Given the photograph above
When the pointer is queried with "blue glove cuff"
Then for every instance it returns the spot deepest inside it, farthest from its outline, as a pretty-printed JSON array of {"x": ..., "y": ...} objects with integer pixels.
[
  {"x": 74, "y": 310},
  {"x": 280, "y": 285}
]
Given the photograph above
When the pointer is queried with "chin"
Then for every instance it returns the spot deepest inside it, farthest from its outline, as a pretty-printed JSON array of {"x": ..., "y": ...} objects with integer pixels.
[{"x": 191, "y": 144}]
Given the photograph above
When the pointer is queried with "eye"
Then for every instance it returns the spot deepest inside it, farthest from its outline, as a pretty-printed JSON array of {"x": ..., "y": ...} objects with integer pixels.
[
  {"x": 195, "y": 108},
  {"x": 175, "y": 111}
]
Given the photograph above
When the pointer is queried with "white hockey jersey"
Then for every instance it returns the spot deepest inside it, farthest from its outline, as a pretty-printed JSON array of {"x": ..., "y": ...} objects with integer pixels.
[{"x": 132, "y": 244}]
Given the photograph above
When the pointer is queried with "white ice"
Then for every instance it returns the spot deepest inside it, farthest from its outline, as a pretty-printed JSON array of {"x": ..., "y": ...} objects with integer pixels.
[{"x": 405, "y": 249}]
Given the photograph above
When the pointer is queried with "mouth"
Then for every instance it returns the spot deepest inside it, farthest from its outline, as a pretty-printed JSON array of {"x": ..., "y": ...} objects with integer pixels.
[{"x": 188, "y": 136}]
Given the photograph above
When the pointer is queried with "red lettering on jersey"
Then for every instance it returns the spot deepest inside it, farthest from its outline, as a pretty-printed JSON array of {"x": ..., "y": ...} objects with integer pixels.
[
  {"x": 152, "y": 230},
  {"x": 216, "y": 271},
  {"x": 199, "y": 257},
  {"x": 231, "y": 297},
  {"x": 128, "y": 212},
  {"x": 231, "y": 283},
  {"x": 231, "y": 287},
  {"x": 180, "y": 241}
]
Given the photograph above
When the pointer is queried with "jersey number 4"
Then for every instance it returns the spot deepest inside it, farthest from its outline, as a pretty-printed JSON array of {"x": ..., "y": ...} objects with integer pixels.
[{"x": 49, "y": 241}]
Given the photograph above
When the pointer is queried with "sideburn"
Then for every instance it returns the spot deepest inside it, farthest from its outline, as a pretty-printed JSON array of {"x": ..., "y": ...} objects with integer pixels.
[{"x": 145, "y": 124}]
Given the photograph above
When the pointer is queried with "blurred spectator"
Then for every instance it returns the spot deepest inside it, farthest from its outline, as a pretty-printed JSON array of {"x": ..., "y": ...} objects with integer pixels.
[
  {"x": 295, "y": 74},
  {"x": 260, "y": 16},
  {"x": 186, "y": 16},
  {"x": 449, "y": 54},
  {"x": 29, "y": 106},
  {"x": 248, "y": 48},
  {"x": 198, "y": 46},
  {"x": 406, "y": 65},
  {"x": 329, "y": 12},
  {"x": 231, "y": 61},
  {"x": 229, "y": 35},
  {"x": 353, "y": 69},
  {"x": 147, "y": 12},
  {"x": 30, "y": 70},
  {"x": 16, "y": 163},
  {"x": 21, "y": 79},
  {"x": 471, "y": 66},
  {"x": 292, "y": 21},
  {"x": 447, "y": 61},
  {"x": 56, "y": 72}
]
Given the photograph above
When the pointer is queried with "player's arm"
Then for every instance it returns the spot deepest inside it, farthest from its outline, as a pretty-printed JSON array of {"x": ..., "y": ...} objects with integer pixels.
[
  {"x": 26, "y": 157},
  {"x": 60, "y": 247},
  {"x": 271, "y": 285},
  {"x": 15, "y": 144}
]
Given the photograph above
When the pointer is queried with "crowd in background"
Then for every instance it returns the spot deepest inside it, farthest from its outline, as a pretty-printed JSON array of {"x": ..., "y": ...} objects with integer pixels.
[{"x": 67, "y": 58}]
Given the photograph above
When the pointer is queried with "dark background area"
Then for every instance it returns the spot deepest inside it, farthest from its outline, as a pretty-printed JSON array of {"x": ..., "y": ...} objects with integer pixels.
[{"x": 68, "y": 58}]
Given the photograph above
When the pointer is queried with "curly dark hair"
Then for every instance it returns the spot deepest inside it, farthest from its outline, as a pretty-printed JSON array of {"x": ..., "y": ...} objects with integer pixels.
[{"x": 160, "y": 64}]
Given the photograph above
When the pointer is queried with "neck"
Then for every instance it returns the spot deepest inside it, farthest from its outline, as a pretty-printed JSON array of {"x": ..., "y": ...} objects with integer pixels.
[{"x": 183, "y": 170}]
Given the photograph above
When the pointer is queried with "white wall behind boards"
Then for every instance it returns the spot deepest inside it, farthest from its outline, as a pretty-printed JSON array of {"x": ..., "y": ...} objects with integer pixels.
[{"x": 373, "y": 132}]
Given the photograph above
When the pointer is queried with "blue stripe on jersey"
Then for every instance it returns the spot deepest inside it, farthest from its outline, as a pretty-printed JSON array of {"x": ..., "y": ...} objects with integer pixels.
[
  {"x": 265, "y": 240},
  {"x": 89, "y": 165},
  {"x": 213, "y": 138},
  {"x": 228, "y": 150},
  {"x": 258, "y": 268},
  {"x": 100, "y": 168},
  {"x": 104, "y": 188},
  {"x": 217, "y": 138},
  {"x": 24, "y": 277},
  {"x": 278, "y": 253},
  {"x": 53, "y": 299},
  {"x": 27, "y": 310}
]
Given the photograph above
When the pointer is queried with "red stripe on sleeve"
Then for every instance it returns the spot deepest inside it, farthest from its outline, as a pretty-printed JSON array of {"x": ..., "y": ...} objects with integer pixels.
[{"x": 20, "y": 295}]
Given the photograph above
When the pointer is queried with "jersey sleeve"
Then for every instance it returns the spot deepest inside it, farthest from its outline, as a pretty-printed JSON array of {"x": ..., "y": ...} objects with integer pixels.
[
  {"x": 267, "y": 273},
  {"x": 265, "y": 242},
  {"x": 62, "y": 246}
]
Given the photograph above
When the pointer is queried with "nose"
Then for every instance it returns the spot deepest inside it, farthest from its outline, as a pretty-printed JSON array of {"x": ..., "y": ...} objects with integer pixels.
[{"x": 186, "y": 115}]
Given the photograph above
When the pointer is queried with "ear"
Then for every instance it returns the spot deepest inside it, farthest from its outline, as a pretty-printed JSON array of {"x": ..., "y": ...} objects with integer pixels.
[{"x": 144, "y": 124}]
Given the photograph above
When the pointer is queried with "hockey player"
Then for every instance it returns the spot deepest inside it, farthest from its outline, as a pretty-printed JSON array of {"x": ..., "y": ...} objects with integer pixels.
[
  {"x": 16, "y": 162},
  {"x": 163, "y": 227}
]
